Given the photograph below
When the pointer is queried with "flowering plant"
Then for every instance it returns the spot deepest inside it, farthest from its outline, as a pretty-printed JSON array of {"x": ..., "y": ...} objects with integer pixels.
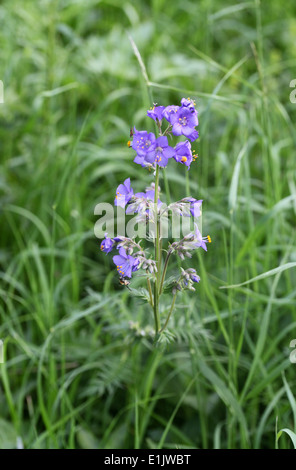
[{"x": 154, "y": 153}]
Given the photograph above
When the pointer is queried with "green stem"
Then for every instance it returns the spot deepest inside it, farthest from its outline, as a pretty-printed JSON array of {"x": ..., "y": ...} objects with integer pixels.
[
  {"x": 157, "y": 255},
  {"x": 164, "y": 271},
  {"x": 166, "y": 185},
  {"x": 187, "y": 181},
  {"x": 169, "y": 315},
  {"x": 150, "y": 291}
]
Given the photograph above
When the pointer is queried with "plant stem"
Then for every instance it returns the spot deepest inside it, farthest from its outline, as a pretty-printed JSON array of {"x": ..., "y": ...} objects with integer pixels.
[
  {"x": 187, "y": 181},
  {"x": 164, "y": 271},
  {"x": 166, "y": 185},
  {"x": 157, "y": 255},
  {"x": 150, "y": 291},
  {"x": 169, "y": 315}
]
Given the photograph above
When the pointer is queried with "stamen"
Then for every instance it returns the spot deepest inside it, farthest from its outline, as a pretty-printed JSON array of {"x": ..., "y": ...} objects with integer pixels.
[
  {"x": 209, "y": 239},
  {"x": 184, "y": 159}
]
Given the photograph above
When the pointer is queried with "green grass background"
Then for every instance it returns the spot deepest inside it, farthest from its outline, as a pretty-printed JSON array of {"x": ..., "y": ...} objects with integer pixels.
[{"x": 77, "y": 374}]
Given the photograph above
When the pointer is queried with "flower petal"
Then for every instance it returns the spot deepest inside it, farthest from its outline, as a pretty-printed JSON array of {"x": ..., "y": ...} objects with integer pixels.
[
  {"x": 163, "y": 161},
  {"x": 122, "y": 252},
  {"x": 119, "y": 260},
  {"x": 127, "y": 184},
  {"x": 162, "y": 141},
  {"x": 169, "y": 152},
  {"x": 177, "y": 129},
  {"x": 150, "y": 156}
]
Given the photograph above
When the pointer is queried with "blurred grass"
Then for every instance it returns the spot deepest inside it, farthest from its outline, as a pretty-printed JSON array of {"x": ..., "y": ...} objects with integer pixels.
[{"x": 77, "y": 373}]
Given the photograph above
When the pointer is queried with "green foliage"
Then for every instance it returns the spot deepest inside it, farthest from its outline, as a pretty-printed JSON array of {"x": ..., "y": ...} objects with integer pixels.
[{"x": 80, "y": 369}]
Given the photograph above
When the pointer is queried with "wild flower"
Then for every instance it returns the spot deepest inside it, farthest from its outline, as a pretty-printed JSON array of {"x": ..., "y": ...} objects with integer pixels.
[
  {"x": 155, "y": 153},
  {"x": 124, "y": 193},
  {"x": 107, "y": 244},
  {"x": 126, "y": 264}
]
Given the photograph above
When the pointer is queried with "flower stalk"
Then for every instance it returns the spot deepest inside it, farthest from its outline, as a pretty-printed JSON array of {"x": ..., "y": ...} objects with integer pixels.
[
  {"x": 157, "y": 254},
  {"x": 170, "y": 313},
  {"x": 164, "y": 271},
  {"x": 150, "y": 292},
  {"x": 154, "y": 153}
]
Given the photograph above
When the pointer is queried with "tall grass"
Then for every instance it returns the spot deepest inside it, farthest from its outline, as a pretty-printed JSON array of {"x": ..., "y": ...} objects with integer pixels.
[{"x": 77, "y": 372}]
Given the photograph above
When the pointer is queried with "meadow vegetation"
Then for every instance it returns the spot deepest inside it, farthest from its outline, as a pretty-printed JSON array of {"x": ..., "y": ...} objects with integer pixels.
[{"x": 78, "y": 370}]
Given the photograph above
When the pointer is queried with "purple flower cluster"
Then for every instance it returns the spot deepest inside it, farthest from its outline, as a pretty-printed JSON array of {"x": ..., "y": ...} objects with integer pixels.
[
  {"x": 190, "y": 242},
  {"x": 136, "y": 202},
  {"x": 187, "y": 207},
  {"x": 186, "y": 280},
  {"x": 152, "y": 151},
  {"x": 143, "y": 204},
  {"x": 125, "y": 263}
]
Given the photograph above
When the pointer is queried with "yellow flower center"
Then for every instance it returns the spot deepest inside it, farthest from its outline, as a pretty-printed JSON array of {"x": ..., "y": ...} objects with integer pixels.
[{"x": 184, "y": 159}]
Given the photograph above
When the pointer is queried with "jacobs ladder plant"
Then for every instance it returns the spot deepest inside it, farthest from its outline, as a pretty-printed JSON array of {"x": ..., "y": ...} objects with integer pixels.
[{"x": 154, "y": 153}]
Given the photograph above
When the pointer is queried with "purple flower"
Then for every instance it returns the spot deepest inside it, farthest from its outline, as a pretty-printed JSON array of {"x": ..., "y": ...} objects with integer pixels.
[
  {"x": 184, "y": 122},
  {"x": 141, "y": 204},
  {"x": 183, "y": 153},
  {"x": 188, "y": 277},
  {"x": 160, "y": 152},
  {"x": 192, "y": 274},
  {"x": 142, "y": 140},
  {"x": 195, "y": 207},
  {"x": 169, "y": 111},
  {"x": 107, "y": 244},
  {"x": 156, "y": 112},
  {"x": 188, "y": 103},
  {"x": 195, "y": 278},
  {"x": 124, "y": 193},
  {"x": 148, "y": 195},
  {"x": 201, "y": 241},
  {"x": 125, "y": 263},
  {"x": 141, "y": 161},
  {"x": 188, "y": 206}
]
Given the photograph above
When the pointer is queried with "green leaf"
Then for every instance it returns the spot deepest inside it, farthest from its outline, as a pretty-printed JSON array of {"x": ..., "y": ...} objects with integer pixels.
[
  {"x": 272, "y": 272},
  {"x": 86, "y": 439},
  {"x": 8, "y": 435},
  {"x": 290, "y": 433}
]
